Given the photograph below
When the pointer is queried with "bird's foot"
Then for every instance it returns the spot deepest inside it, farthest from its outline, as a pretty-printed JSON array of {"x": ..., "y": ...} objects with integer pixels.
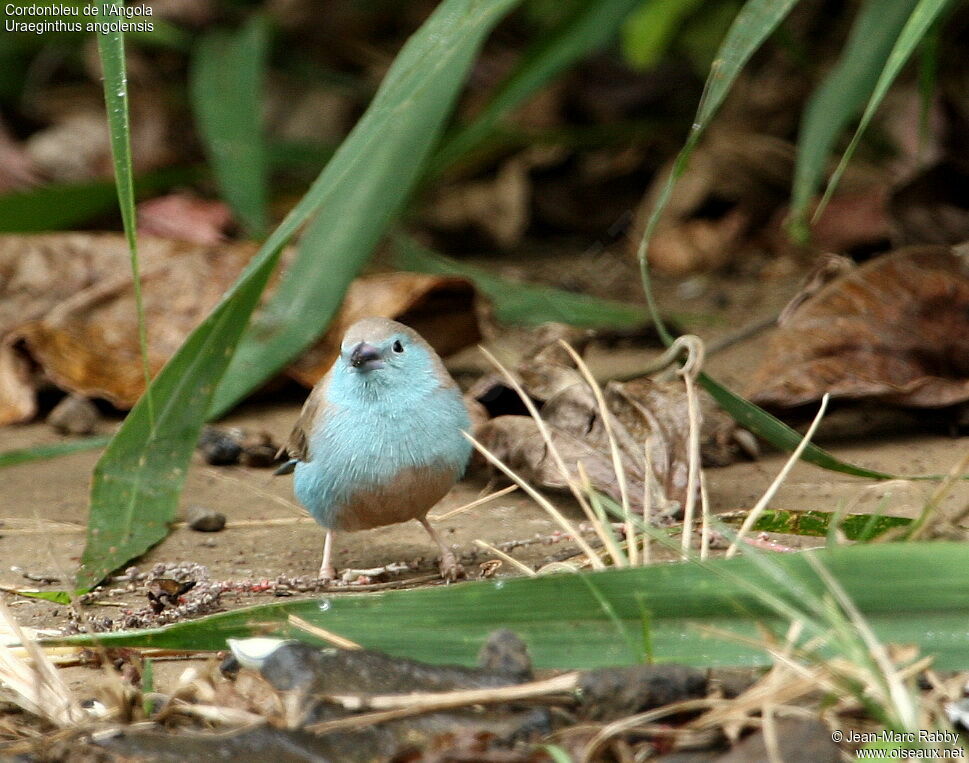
[
  {"x": 327, "y": 573},
  {"x": 450, "y": 569}
]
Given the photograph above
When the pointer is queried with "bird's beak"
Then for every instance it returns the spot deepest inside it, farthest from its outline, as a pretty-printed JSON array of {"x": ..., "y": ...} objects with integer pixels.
[{"x": 366, "y": 357}]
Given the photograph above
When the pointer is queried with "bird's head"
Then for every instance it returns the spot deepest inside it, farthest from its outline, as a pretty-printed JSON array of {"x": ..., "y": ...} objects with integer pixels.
[{"x": 377, "y": 352}]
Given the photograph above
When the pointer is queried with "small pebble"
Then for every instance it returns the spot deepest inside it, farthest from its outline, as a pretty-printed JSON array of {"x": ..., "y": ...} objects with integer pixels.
[
  {"x": 204, "y": 519},
  {"x": 259, "y": 456},
  {"x": 74, "y": 415},
  {"x": 218, "y": 447}
]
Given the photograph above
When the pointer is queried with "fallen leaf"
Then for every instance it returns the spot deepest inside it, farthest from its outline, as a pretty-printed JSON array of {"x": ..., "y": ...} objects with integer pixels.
[
  {"x": 895, "y": 329},
  {"x": 644, "y": 413},
  {"x": 67, "y": 308}
]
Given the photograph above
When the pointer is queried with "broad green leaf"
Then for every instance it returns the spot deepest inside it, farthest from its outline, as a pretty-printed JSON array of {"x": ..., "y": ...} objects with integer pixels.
[
  {"x": 43, "y": 452},
  {"x": 911, "y": 593},
  {"x": 917, "y": 26},
  {"x": 138, "y": 480},
  {"x": 366, "y": 183},
  {"x": 587, "y": 29},
  {"x": 841, "y": 96},
  {"x": 225, "y": 83},
  {"x": 63, "y": 205},
  {"x": 649, "y": 30},
  {"x": 522, "y": 303}
]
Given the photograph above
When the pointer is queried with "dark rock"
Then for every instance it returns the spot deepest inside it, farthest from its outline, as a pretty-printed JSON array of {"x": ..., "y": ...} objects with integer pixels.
[
  {"x": 506, "y": 653},
  {"x": 74, "y": 415},
  {"x": 259, "y": 456},
  {"x": 610, "y": 693},
  {"x": 218, "y": 447},
  {"x": 204, "y": 519}
]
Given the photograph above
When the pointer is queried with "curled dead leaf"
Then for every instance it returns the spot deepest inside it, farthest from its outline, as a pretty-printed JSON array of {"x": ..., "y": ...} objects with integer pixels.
[
  {"x": 895, "y": 329},
  {"x": 644, "y": 413}
]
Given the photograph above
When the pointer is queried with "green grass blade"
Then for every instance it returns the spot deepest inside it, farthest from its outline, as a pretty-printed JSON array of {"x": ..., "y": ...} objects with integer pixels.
[
  {"x": 911, "y": 593},
  {"x": 779, "y": 434},
  {"x": 841, "y": 97},
  {"x": 111, "y": 51},
  {"x": 522, "y": 303},
  {"x": 225, "y": 84},
  {"x": 755, "y": 22},
  {"x": 139, "y": 478},
  {"x": 55, "y": 450},
  {"x": 59, "y": 206},
  {"x": 917, "y": 26},
  {"x": 648, "y": 32},
  {"x": 362, "y": 188},
  {"x": 591, "y": 26}
]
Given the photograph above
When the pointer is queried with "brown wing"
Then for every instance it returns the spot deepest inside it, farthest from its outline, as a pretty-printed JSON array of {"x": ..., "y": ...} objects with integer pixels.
[{"x": 298, "y": 445}]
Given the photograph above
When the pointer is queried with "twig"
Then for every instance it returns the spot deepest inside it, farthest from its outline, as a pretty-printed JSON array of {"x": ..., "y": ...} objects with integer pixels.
[
  {"x": 475, "y": 504},
  {"x": 393, "y": 706},
  {"x": 328, "y": 636}
]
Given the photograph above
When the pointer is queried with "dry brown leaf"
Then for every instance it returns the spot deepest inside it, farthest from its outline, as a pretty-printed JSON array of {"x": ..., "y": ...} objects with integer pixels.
[
  {"x": 67, "y": 308},
  {"x": 642, "y": 410},
  {"x": 895, "y": 329},
  {"x": 932, "y": 207}
]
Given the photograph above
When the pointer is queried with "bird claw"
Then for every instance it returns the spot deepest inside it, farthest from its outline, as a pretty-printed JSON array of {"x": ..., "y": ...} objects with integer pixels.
[
  {"x": 327, "y": 574},
  {"x": 451, "y": 570}
]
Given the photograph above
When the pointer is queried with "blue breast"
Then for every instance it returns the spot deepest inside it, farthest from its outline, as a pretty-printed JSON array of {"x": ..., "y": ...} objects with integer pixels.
[{"x": 363, "y": 443}]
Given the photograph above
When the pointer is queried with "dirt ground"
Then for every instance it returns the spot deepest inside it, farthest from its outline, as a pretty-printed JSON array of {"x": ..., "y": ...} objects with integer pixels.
[{"x": 43, "y": 504}]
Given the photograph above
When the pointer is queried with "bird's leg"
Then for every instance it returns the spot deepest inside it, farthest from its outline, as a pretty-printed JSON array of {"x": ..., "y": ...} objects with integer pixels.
[
  {"x": 450, "y": 569},
  {"x": 327, "y": 570}
]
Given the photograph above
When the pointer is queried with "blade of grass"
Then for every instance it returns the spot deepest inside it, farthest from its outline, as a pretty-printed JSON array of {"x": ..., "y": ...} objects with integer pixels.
[
  {"x": 648, "y": 32},
  {"x": 369, "y": 185},
  {"x": 912, "y": 593},
  {"x": 54, "y": 450},
  {"x": 755, "y": 22},
  {"x": 225, "y": 84},
  {"x": 587, "y": 29},
  {"x": 63, "y": 205},
  {"x": 139, "y": 478},
  {"x": 111, "y": 51},
  {"x": 841, "y": 97},
  {"x": 915, "y": 29},
  {"x": 521, "y": 303}
]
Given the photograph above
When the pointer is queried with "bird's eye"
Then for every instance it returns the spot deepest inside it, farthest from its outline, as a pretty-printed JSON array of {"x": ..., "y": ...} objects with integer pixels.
[{"x": 398, "y": 347}]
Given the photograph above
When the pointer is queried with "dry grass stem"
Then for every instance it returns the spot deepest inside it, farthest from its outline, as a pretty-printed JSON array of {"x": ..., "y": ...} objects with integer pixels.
[
  {"x": 617, "y": 465},
  {"x": 475, "y": 503},
  {"x": 393, "y": 706},
  {"x": 546, "y": 435},
  {"x": 689, "y": 371},
  {"x": 765, "y": 499},
  {"x": 602, "y": 527},
  {"x": 922, "y": 524},
  {"x": 37, "y": 687},
  {"x": 328, "y": 636},
  {"x": 541, "y": 501}
]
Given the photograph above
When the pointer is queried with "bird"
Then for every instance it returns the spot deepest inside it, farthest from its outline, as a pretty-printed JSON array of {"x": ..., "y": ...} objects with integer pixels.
[{"x": 380, "y": 438}]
